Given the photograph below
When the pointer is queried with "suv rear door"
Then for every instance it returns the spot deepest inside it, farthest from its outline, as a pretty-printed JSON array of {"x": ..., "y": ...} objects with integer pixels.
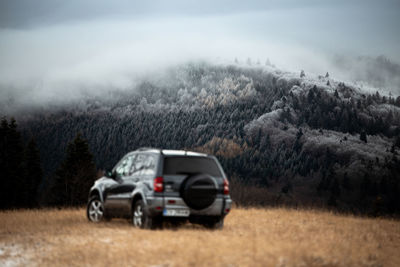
[{"x": 177, "y": 168}]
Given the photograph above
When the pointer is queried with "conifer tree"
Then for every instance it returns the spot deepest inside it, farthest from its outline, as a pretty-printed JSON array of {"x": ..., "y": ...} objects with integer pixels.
[
  {"x": 336, "y": 94},
  {"x": 21, "y": 172},
  {"x": 75, "y": 176},
  {"x": 397, "y": 103},
  {"x": 335, "y": 187},
  {"x": 363, "y": 136},
  {"x": 248, "y": 61},
  {"x": 5, "y": 182},
  {"x": 34, "y": 173},
  {"x": 346, "y": 182},
  {"x": 11, "y": 164}
]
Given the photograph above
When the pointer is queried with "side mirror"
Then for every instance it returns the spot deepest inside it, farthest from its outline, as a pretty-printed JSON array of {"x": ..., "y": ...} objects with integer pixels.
[{"x": 110, "y": 174}]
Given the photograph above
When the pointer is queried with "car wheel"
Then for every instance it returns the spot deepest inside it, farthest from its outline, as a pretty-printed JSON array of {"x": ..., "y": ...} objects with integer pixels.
[
  {"x": 95, "y": 210},
  {"x": 140, "y": 219}
]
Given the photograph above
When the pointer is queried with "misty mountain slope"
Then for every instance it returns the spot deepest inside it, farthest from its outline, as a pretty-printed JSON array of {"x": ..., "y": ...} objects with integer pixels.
[
  {"x": 300, "y": 137},
  {"x": 379, "y": 72}
]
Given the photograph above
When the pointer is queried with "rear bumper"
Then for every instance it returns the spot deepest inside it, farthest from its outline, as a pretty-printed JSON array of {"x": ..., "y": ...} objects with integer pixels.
[{"x": 156, "y": 206}]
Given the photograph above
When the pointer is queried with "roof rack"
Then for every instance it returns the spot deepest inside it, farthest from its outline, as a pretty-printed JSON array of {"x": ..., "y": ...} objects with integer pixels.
[
  {"x": 144, "y": 148},
  {"x": 149, "y": 148}
]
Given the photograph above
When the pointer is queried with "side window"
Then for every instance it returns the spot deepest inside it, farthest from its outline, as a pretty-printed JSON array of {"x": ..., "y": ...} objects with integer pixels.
[
  {"x": 137, "y": 165},
  {"x": 125, "y": 165},
  {"x": 132, "y": 168},
  {"x": 119, "y": 169},
  {"x": 149, "y": 165},
  {"x": 129, "y": 164}
]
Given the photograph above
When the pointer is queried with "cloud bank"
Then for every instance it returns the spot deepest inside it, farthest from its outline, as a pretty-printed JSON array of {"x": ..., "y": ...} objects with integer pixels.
[{"x": 53, "y": 51}]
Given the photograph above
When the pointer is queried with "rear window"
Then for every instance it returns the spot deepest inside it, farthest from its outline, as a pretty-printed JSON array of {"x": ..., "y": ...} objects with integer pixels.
[{"x": 190, "y": 165}]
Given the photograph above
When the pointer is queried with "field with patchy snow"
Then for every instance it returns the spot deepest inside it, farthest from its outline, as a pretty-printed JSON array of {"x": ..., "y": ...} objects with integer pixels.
[{"x": 251, "y": 237}]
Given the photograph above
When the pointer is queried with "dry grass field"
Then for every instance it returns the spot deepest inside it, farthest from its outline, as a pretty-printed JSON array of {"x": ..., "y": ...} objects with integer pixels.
[{"x": 251, "y": 237}]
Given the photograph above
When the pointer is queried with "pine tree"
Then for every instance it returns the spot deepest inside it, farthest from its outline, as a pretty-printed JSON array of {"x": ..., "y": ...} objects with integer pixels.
[
  {"x": 363, "y": 136},
  {"x": 378, "y": 97},
  {"x": 332, "y": 201},
  {"x": 297, "y": 143},
  {"x": 34, "y": 173},
  {"x": 397, "y": 103},
  {"x": 12, "y": 167},
  {"x": 335, "y": 188},
  {"x": 310, "y": 96},
  {"x": 4, "y": 178},
  {"x": 248, "y": 61},
  {"x": 336, "y": 94},
  {"x": 75, "y": 176},
  {"x": 397, "y": 141},
  {"x": 346, "y": 182},
  {"x": 365, "y": 186},
  {"x": 20, "y": 175}
]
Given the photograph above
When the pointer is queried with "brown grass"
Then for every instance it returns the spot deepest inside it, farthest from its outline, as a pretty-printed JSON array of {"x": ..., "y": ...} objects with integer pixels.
[{"x": 252, "y": 237}]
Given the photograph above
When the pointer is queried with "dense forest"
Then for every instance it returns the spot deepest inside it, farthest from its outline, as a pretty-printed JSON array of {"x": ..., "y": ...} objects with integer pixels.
[
  {"x": 22, "y": 172},
  {"x": 283, "y": 138}
]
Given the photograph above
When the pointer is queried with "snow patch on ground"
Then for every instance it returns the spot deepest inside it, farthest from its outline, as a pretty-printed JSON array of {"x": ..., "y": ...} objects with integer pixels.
[{"x": 14, "y": 255}]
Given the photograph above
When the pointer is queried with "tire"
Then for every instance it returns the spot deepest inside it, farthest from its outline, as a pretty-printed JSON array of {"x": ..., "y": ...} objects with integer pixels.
[
  {"x": 95, "y": 210},
  {"x": 199, "y": 191},
  {"x": 215, "y": 224},
  {"x": 140, "y": 218}
]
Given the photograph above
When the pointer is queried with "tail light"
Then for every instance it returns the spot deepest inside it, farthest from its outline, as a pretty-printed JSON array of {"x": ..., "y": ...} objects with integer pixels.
[
  {"x": 158, "y": 184},
  {"x": 226, "y": 187}
]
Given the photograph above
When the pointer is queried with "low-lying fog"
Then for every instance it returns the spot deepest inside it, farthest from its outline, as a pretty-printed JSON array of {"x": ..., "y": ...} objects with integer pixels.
[{"x": 53, "y": 51}]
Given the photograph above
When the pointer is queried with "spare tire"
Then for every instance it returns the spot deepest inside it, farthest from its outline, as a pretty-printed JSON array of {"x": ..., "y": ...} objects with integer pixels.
[{"x": 199, "y": 191}]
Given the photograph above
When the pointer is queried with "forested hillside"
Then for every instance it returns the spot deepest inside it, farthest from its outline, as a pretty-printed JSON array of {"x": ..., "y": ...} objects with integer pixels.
[{"x": 310, "y": 141}]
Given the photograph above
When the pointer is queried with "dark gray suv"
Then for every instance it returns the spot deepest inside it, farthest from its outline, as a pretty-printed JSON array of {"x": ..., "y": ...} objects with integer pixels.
[{"x": 150, "y": 186}]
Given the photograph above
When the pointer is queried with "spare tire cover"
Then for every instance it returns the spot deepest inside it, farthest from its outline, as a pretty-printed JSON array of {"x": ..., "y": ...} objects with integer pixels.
[{"x": 199, "y": 191}]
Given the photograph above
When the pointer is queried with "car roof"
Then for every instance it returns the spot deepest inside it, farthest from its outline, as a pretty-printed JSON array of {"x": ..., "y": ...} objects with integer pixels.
[
  {"x": 168, "y": 152},
  {"x": 171, "y": 152}
]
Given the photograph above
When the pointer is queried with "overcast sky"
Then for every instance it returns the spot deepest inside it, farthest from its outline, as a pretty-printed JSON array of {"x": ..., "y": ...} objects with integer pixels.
[{"x": 49, "y": 48}]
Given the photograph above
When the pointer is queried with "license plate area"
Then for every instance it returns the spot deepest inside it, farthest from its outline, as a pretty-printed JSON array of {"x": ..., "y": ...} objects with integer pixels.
[{"x": 168, "y": 212}]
